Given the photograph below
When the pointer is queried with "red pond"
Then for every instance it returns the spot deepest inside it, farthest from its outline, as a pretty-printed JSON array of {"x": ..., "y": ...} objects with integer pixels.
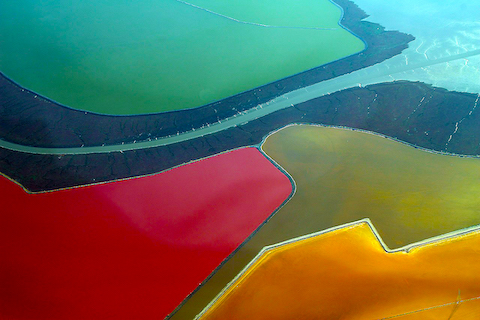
[{"x": 131, "y": 249}]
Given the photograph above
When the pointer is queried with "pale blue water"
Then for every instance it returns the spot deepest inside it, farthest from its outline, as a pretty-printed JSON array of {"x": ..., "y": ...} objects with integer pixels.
[{"x": 442, "y": 29}]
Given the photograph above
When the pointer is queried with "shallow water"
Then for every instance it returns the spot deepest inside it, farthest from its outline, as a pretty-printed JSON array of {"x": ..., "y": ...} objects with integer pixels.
[{"x": 442, "y": 29}]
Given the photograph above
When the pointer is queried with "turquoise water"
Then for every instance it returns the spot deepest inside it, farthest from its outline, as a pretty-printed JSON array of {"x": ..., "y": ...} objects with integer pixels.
[{"x": 123, "y": 57}]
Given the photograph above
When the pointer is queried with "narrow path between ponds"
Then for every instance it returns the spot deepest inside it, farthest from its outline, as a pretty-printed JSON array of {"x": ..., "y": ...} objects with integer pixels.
[{"x": 284, "y": 101}]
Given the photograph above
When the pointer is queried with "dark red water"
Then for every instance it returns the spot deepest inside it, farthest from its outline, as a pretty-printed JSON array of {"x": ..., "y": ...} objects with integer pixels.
[{"x": 131, "y": 249}]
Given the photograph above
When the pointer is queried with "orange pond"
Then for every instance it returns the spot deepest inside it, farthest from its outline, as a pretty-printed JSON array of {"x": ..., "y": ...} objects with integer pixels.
[
  {"x": 347, "y": 274},
  {"x": 131, "y": 249}
]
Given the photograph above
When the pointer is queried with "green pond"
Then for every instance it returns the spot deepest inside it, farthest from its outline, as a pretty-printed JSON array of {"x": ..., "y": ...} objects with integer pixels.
[{"x": 134, "y": 57}]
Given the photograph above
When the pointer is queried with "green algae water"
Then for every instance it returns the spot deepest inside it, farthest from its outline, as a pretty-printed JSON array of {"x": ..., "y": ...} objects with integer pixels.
[{"x": 122, "y": 57}]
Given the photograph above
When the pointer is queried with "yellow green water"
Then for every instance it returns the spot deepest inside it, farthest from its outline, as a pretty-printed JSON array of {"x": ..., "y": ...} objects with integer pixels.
[
  {"x": 343, "y": 176},
  {"x": 124, "y": 57}
]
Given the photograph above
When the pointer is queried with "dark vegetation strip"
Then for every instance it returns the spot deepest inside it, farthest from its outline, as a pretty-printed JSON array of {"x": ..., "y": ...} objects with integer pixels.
[
  {"x": 29, "y": 119},
  {"x": 413, "y": 112}
]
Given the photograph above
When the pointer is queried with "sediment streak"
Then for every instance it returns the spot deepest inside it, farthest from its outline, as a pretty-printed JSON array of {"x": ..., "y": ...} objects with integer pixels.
[{"x": 251, "y": 23}]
